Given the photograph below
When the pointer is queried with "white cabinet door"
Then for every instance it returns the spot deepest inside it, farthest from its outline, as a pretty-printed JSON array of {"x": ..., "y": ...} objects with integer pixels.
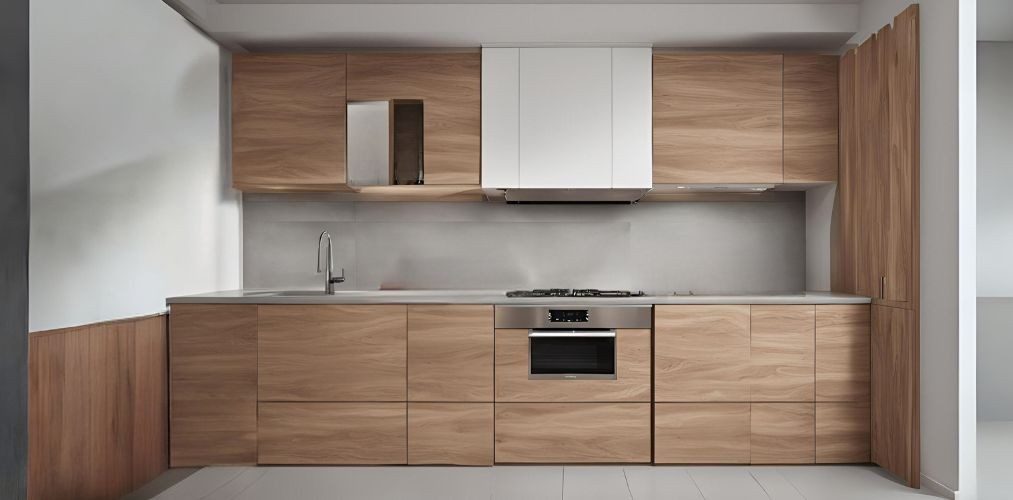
[
  {"x": 631, "y": 118},
  {"x": 566, "y": 118},
  {"x": 500, "y": 94}
]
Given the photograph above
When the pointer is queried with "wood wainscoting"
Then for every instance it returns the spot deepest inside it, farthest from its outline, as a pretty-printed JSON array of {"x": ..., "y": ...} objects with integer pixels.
[{"x": 98, "y": 409}]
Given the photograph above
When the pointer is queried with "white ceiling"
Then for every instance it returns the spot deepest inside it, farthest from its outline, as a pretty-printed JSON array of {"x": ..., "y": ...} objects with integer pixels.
[
  {"x": 995, "y": 20},
  {"x": 537, "y": 1}
]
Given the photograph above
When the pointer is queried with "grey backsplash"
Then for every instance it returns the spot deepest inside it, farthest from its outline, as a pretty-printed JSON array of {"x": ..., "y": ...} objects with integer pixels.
[{"x": 706, "y": 247}]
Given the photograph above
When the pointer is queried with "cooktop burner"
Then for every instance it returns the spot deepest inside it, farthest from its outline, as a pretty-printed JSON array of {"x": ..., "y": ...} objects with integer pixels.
[{"x": 566, "y": 292}]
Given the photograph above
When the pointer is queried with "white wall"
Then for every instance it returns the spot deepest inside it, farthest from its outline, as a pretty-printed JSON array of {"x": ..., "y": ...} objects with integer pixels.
[
  {"x": 129, "y": 197},
  {"x": 995, "y": 169},
  {"x": 947, "y": 264}
]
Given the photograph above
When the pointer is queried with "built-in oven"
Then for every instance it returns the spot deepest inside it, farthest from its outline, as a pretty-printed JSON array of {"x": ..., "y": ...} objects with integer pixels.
[{"x": 573, "y": 342}]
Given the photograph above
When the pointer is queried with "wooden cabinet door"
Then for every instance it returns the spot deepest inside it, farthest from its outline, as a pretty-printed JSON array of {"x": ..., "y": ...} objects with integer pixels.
[
  {"x": 842, "y": 352},
  {"x": 333, "y": 352},
  {"x": 895, "y": 422},
  {"x": 573, "y": 432},
  {"x": 701, "y": 353},
  {"x": 332, "y": 433},
  {"x": 450, "y": 353},
  {"x": 450, "y": 433},
  {"x": 782, "y": 433},
  {"x": 782, "y": 352},
  {"x": 449, "y": 86},
  {"x": 842, "y": 433},
  {"x": 717, "y": 118},
  {"x": 213, "y": 384},
  {"x": 810, "y": 118},
  {"x": 632, "y": 383},
  {"x": 873, "y": 157},
  {"x": 288, "y": 122},
  {"x": 701, "y": 433}
]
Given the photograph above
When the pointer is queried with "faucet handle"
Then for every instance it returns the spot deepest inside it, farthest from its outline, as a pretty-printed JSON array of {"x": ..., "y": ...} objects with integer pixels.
[{"x": 340, "y": 278}]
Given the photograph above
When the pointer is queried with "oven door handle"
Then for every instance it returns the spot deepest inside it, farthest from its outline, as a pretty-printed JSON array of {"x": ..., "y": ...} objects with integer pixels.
[{"x": 570, "y": 333}]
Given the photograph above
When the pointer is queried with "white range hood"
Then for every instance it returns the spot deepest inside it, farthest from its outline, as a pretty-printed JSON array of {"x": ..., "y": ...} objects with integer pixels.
[{"x": 566, "y": 124}]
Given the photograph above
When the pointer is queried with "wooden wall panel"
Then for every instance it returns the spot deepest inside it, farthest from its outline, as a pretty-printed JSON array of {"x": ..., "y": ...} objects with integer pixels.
[
  {"x": 450, "y": 433},
  {"x": 213, "y": 384},
  {"x": 450, "y": 86},
  {"x": 97, "y": 409},
  {"x": 782, "y": 352},
  {"x": 842, "y": 352},
  {"x": 701, "y": 353},
  {"x": 844, "y": 226},
  {"x": 332, "y": 352},
  {"x": 450, "y": 353},
  {"x": 782, "y": 433},
  {"x": 701, "y": 433},
  {"x": 717, "y": 118},
  {"x": 332, "y": 433},
  {"x": 810, "y": 118},
  {"x": 573, "y": 432},
  {"x": 288, "y": 121}
]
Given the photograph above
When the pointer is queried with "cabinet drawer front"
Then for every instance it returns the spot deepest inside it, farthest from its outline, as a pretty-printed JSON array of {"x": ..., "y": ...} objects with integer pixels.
[
  {"x": 843, "y": 433},
  {"x": 333, "y": 353},
  {"x": 843, "y": 362},
  {"x": 782, "y": 353},
  {"x": 701, "y": 433},
  {"x": 633, "y": 372},
  {"x": 450, "y": 433},
  {"x": 332, "y": 433},
  {"x": 450, "y": 353},
  {"x": 701, "y": 353},
  {"x": 573, "y": 432},
  {"x": 782, "y": 433}
]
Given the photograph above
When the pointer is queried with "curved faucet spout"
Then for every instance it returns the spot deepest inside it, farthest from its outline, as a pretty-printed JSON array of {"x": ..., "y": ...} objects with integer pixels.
[{"x": 328, "y": 267}]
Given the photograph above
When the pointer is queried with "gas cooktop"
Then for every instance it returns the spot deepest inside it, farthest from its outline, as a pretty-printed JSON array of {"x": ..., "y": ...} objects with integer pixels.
[{"x": 567, "y": 292}]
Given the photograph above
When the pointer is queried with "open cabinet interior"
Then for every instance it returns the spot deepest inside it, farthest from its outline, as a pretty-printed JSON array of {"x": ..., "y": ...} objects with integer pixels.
[{"x": 386, "y": 143}]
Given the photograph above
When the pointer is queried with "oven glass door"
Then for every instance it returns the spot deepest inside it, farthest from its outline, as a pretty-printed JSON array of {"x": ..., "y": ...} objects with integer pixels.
[{"x": 572, "y": 354}]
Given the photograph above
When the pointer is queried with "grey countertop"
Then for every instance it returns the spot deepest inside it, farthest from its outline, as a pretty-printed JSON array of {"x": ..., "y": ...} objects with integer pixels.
[{"x": 497, "y": 297}]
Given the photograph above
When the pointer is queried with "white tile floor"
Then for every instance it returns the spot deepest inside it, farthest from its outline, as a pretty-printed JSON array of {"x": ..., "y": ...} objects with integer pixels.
[
  {"x": 995, "y": 460},
  {"x": 541, "y": 482}
]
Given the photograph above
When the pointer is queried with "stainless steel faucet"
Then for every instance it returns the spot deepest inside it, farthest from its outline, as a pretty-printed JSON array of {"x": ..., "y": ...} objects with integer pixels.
[{"x": 328, "y": 270}]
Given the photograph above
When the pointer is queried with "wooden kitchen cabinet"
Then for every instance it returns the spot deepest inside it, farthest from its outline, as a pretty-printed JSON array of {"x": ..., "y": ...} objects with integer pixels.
[
  {"x": 895, "y": 418},
  {"x": 842, "y": 432},
  {"x": 213, "y": 384},
  {"x": 450, "y": 353},
  {"x": 450, "y": 433},
  {"x": 782, "y": 352},
  {"x": 701, "y": 433},
  {"x": 573, "y": 432},
  {"x": 810, "y": 118},
  {"x": 332, "y": 433},
  {"x": 633, "y": 372},
  {"x": 333, "y": 353},
  {"x": 718, "y": 118},
  {"x": 449, "y": 86},
  {"x": 288, "y": 122},
  {"x": 843, "y": 369},
  {"x": 782, "y": 433},
  {"x": 701, "y": 353}
]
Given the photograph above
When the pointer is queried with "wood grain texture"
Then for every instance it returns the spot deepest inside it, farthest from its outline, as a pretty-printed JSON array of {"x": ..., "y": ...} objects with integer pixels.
[
  {"x": 450, "y": 433},
  {"x": 450, "y": 87},
  {"x": 332, "y": 433},
  {"x": 843, "y": 339},
  {"x": 842, "y": 433},
  {"x": 332, "y": 353},
  {"x": 633, "y": 372},
  {"x": 894, "y": 390},
  {"x": 782, "y": 433},
  {"x": 810, "y": 118},
  {"x": 97, "y": 409},
  {"x": 213, "y": 384},
  {"x": 844, "y": 231},
  {"x": 717, "y": 118},
  {"x": 872, "y": 101},
  {"x": 782, "y": 352},
  {"x": 450, "y": 353},
  {"x": 701, "y": 433},
  {"x": 573, "y": 432},
  {"x": 288, "y": 121},
  {"x": 701, "y": 353}
]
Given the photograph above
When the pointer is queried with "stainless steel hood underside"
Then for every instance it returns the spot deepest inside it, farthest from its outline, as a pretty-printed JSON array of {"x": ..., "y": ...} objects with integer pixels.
[{"x": 577, "y": 195}]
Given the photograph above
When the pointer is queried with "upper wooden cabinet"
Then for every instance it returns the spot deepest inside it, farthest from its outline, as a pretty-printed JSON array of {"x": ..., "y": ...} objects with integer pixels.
[
  {"x": 288, "y": 122},
  {"x": 718, "y": 118},
  {"x": 449, "y": 86},
  {"x": 810, "y": 118}
]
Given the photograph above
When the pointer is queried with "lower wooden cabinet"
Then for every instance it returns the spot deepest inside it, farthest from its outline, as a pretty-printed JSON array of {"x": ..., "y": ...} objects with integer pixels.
[
  {"x": 332, "y": 433},
  {"x": 450, "y": 433},
  {"x": 573, "y": 432},
  {"x": 782, "y": 433},
  {"x": 701, "y": 433},
  {"x": 843, "y": 433}
]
